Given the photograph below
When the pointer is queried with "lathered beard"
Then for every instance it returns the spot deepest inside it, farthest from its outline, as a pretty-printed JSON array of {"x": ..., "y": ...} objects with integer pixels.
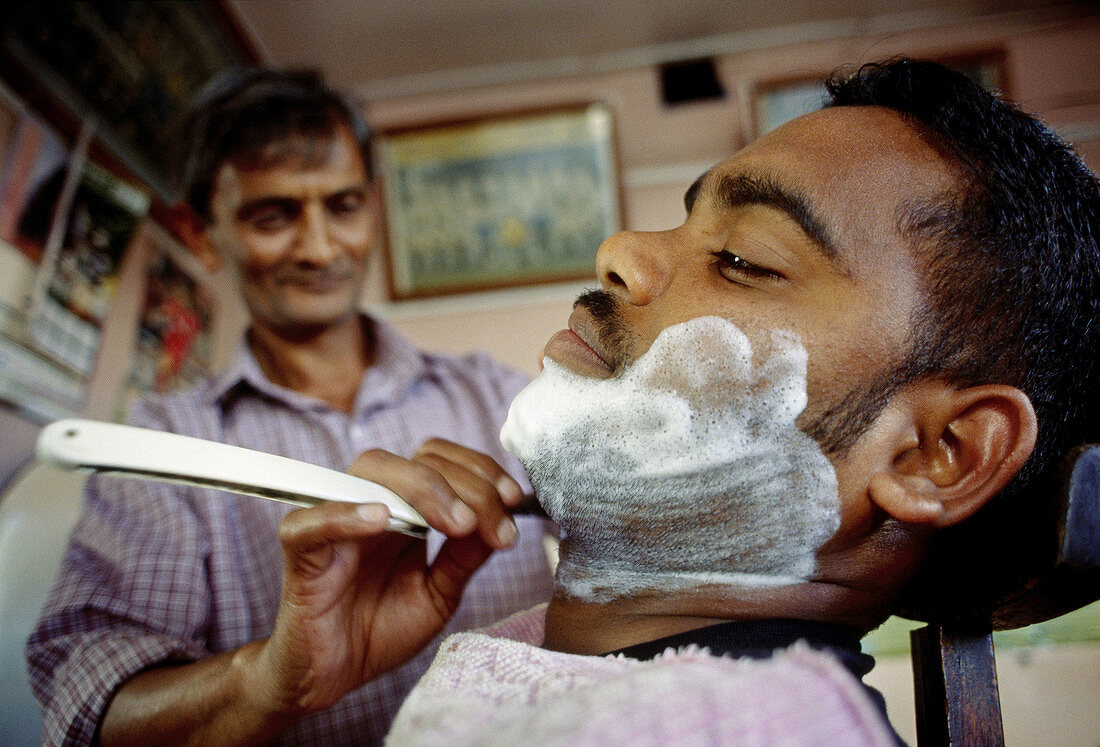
[{"x": 686, "y": 470}]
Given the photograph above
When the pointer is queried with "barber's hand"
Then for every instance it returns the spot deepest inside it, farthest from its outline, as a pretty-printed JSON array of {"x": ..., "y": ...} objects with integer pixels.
[{"x": 358, "y": 600}]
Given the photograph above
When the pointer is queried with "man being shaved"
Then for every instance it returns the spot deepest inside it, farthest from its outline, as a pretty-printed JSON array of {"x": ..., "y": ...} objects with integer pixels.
[{"x": 834, "y": 393}]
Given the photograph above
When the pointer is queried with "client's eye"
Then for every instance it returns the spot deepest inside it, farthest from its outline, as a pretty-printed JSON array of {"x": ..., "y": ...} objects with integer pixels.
[{"x": 736, "y": 269}]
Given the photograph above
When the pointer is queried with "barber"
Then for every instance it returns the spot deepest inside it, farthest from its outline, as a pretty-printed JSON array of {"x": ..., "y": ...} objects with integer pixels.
[{"x": 183, "y": 614}]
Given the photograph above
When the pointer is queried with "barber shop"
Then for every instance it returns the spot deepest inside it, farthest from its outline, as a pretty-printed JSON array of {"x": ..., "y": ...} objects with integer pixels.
[{"x": 533, "y": 372}]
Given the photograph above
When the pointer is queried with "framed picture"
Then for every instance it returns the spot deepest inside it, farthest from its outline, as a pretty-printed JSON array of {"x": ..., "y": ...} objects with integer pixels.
[
  {"x": 779, "y": 101},
  {"x": 504, "y": 201}
]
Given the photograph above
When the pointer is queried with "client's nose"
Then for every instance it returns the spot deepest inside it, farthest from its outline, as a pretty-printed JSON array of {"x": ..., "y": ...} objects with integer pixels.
[{"x": 631, "y": 264}]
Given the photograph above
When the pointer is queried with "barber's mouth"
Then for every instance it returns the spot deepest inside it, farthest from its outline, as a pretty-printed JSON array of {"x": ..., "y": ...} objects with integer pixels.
[
  {"x": 321, "y": 283},
  {"x": 570, "y": 349}
]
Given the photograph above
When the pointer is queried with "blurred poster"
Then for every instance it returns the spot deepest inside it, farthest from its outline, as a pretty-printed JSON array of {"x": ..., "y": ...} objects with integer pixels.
[
  {"x": 174, "y": 339},
  {"x": 103, "y": 214}
]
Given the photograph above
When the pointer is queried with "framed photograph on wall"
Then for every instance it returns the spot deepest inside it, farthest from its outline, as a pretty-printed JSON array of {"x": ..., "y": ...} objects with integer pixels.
[
  {"x": 779, "y": 101},
  {"x": 497, "y": 202}
]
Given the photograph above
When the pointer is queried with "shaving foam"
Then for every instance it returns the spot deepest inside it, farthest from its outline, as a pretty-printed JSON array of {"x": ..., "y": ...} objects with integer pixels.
[{"x": 686, "y": 470}]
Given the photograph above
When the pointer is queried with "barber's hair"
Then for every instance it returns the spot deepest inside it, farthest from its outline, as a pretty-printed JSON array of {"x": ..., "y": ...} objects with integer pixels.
[
  {"x": 240, "y": 112},
  {"x": 1012, "y": 285}
]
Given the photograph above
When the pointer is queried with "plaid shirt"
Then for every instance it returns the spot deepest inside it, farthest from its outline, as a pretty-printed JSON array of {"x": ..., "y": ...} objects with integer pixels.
[{"x": 157, "y": 573}]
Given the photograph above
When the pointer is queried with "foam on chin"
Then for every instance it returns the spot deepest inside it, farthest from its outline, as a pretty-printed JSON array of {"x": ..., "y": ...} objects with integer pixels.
[{"x": 686, "y": 470}]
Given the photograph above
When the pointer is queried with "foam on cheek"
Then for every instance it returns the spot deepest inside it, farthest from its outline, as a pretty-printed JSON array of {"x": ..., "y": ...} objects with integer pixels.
[{"x": 684, "y": 471}]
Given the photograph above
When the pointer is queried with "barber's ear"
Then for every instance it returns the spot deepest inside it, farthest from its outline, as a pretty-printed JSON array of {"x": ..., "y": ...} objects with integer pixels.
[
  {"x": 954, "y": 450},
  {"x": 195, "y": 234}
]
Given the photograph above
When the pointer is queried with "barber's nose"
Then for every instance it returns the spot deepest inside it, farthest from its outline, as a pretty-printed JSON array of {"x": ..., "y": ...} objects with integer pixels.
[
  {"x": 635, "y": 265},
  {"x": 314, "y": 239}
]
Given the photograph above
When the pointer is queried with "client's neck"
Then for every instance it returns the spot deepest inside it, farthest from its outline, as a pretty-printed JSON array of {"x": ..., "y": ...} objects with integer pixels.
[
  {"x": 855, "y": 583},
  {"x": 578, "y": 626}
]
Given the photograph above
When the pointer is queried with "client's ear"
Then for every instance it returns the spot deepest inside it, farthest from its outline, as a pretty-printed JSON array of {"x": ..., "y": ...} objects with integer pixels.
[
  {"x": 194, "y": 232},
  {"x": 954, "y": 450}
]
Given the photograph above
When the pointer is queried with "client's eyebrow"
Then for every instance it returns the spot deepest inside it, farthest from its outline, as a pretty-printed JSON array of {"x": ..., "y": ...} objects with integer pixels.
[
  {"x": 693, "y": 191},
  {"x": 731, "y": 191}
]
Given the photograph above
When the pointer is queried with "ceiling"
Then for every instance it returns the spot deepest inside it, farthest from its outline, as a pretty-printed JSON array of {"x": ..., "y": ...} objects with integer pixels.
[{"x": 381, "y": 48}]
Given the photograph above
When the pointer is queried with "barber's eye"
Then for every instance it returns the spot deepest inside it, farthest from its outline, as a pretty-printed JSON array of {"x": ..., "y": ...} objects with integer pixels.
[
  {"x": 346, "y": 203},
  {"x": 734, "y": 268},
  {"x": 272, "y": 218}
]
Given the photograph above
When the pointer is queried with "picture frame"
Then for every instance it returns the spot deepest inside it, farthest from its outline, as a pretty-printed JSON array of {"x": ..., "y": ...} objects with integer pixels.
[
  {"x": 780, "y": 100},
  {"x": 504, "y": 201}
]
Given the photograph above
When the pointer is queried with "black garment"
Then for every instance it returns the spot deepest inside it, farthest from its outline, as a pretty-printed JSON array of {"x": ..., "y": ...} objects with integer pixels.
[{"x": 759, "y": 639}]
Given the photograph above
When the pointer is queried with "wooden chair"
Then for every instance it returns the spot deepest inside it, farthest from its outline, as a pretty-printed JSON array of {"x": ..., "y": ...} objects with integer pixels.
[{"x": 954, "y": 675}]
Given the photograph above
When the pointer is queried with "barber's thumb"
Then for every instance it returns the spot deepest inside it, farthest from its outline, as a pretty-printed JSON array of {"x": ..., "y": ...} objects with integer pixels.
[{"x": 308, "y": 529}]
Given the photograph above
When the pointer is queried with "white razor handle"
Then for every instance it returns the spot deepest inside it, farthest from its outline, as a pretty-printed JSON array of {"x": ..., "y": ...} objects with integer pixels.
[{"x": 142, "y": 453}]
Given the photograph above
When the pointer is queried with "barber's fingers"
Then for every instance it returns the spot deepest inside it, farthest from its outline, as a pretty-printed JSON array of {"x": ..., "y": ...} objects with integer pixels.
[
  {"x": 494, "y": 524},
  {"x": 478, "y": 480},
  {"x": 483, "y": 465},
  {"x": 308, "y": 536},
  {"x": 451, "y": 501}
]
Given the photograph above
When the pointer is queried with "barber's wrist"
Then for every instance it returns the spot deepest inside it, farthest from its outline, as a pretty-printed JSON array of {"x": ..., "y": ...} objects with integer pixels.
[{"x": 262, "y": 700}]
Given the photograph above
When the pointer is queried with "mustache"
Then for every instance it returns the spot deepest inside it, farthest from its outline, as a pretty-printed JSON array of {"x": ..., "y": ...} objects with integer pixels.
[
  {"x": 616, "y": 343},
  {"x": 336, "y": 272}
]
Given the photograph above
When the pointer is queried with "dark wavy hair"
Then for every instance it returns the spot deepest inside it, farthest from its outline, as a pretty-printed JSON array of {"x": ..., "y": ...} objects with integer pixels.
[
  {"x": 240, "y": 112},
  {"x": 1012, "y": 289}
]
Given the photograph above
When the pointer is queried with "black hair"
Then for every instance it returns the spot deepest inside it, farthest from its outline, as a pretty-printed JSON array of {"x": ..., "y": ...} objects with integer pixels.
[
  {"x": 240, "y": 112},
  {"x": 1012, "y": 286}
]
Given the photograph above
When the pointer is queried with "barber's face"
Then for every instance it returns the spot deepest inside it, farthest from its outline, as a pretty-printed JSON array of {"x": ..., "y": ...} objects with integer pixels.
[{"x": 297, "y": 235}]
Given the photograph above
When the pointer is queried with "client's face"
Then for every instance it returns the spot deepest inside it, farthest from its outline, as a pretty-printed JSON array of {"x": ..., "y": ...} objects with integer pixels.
[{"x": 666, "y": 432}]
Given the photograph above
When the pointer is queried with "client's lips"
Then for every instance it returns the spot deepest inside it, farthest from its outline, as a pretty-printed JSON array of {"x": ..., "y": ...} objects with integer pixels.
[{"x": 577, "y": 348}]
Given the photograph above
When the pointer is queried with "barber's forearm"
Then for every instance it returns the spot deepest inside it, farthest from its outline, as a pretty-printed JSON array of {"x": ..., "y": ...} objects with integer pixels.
[{"x": 218, "y": 700}]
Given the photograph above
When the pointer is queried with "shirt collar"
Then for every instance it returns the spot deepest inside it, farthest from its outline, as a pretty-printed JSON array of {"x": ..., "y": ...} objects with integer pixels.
[{"x": 398, "y": 364}]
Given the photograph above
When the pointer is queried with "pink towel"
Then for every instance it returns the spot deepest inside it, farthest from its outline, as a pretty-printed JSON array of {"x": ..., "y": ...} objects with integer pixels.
[{"x": 496, "y": 687}]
